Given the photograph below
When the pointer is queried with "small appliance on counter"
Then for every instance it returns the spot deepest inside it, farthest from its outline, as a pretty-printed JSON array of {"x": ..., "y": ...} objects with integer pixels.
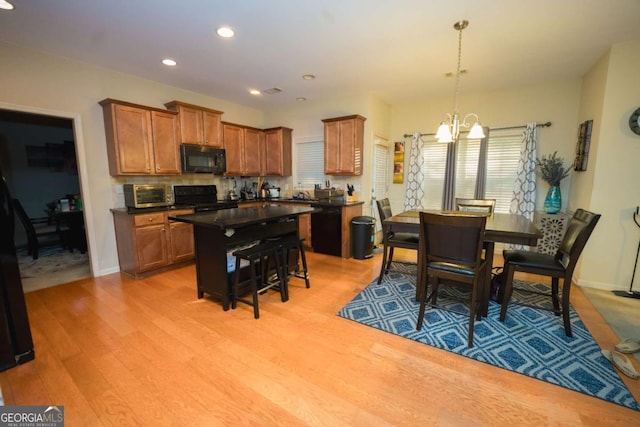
[
  {"x": 147, "y": 195},
  {"x": 274, "y": 192}
]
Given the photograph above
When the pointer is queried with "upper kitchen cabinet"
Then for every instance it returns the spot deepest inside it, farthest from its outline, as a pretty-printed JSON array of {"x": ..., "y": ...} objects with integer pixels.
[
  {"x": 343, "y": 144},
  {"x": 243, "y": 147},
  {"x": 141, "y": 140},
  {"x": 277, "y": 152},
  {"x": 198, "y": 125}
]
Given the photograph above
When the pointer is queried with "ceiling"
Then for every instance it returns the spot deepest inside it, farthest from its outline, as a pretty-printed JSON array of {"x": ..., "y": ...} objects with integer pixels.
[{"x": 397, "y": 50}]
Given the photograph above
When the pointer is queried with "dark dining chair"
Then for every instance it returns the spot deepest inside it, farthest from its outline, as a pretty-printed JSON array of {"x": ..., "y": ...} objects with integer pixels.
[
  {"x": 558, "y": 266},
  {"x": 451, "y": 254},
  {"x": 393, "y": 240},
  {"x": 476, "y": 205},
  {"x": 39, "y": 231}
]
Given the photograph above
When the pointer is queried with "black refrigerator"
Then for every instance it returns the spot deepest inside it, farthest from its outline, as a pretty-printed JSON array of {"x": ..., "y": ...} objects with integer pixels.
[{"x": 16, "y": 344}]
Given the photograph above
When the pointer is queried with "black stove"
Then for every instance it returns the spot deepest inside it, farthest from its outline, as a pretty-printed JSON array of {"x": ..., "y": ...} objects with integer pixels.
[{"x": 201, "y": 197}]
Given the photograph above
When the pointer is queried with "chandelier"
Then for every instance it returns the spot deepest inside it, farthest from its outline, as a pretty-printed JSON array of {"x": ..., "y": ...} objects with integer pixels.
[{"x": 449, "y": 130}]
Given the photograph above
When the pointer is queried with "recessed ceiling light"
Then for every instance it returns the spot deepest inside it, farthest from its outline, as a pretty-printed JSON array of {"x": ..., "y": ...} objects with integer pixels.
[
  {"x": 308, "y": 77},
  {"x": 254, "y": 92},
  {"x": 4, "y": 4},
  {"x": 170, "y": 62},
  {"x": 225, "y": 32},
  {"x": 301, "y": 98}
]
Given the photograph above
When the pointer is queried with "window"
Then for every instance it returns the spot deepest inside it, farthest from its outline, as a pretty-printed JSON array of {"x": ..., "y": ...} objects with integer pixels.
[
  {"x": 309, "y": 163},
  {"x": 503, "y": 153},
  {"x": 435, "y": 159}
]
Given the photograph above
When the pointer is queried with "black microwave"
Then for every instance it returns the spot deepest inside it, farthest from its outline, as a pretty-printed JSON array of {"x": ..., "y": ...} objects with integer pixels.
[{"x": 202, "y": 159}]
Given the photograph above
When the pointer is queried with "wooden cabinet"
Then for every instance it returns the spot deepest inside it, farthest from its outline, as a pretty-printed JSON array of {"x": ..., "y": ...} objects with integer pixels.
[
  {"x": 149, "y": 243},
  {"x": 198, "y": 125},
  {"x": 243, "y": 146},
  {"x": 343, "y": 145},
  {"x": 277, "y": 152},
  {"x": 140, "y": 140}
]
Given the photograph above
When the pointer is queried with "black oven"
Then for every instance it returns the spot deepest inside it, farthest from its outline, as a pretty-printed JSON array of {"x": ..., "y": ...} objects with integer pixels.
[{"x": 202, "y": 159}]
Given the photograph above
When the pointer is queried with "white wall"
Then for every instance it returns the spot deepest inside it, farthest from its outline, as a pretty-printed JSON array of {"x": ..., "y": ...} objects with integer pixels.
[
  {"x": 57, "y": 86},
  {"x": 610, "y": 184}
]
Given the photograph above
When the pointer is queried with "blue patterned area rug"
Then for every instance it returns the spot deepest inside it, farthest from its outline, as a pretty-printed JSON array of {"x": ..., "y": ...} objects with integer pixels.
[{"x": 530, "y": 341}]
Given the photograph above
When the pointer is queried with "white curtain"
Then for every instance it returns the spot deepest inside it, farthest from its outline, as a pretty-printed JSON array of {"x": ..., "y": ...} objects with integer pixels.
[
  {"x": 415, "y": 176},
  {"x": 523, "y": 201}
]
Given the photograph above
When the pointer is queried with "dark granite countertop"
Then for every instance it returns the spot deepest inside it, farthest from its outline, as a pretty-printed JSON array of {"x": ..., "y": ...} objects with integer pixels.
[
  {"x": 234, "y": 218},
  {"x": 311, "y": 202}
]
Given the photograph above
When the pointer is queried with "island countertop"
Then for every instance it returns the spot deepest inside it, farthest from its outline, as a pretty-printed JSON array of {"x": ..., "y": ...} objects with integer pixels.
[{"x": 239, "y": 217}]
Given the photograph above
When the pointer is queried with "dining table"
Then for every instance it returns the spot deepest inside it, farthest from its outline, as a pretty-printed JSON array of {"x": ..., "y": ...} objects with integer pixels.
[{"x": 504, "y": 228}]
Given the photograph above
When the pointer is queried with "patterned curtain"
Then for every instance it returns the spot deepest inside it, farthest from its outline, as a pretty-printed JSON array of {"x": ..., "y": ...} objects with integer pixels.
[
  {"x": 415, "y": 177},
  {"x": 523, "y": 201}
]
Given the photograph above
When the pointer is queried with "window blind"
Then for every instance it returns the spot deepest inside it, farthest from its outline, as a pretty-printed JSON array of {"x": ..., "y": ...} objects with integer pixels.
[
  {"x": 309, "y": 164},
  {"x": 435, "y": 158},
  {"x": 380, "y": 177},
  {"x": 503, "y": 154}
]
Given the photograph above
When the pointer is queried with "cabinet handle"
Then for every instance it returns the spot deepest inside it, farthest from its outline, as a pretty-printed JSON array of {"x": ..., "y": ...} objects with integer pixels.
[{"x": 150, "y": 219}]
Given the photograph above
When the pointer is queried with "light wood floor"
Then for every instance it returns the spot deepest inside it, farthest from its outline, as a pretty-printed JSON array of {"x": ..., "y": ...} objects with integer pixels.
[{"x": 117, "y": 351}]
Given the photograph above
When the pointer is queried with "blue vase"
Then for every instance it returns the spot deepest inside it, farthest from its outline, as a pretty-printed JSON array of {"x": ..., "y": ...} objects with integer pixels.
[{"x": 553, "y": 201}]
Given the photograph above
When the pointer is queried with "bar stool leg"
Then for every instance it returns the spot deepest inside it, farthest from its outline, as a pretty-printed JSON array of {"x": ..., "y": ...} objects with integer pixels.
[
  {"x": 254, "y": 289},
  {"x": 304, "y": 263},
  {"x": 236, "y": 284}
]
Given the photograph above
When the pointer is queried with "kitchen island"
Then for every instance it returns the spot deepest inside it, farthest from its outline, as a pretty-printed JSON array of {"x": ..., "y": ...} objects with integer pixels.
[{"x": 216, "y": 233}]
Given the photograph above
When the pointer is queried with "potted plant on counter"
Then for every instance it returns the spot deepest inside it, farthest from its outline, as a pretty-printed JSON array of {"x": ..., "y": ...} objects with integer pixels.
[{"x": 552, "y": 170}]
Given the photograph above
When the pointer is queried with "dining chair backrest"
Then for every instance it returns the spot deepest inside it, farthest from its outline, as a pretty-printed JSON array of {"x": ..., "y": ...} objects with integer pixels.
[
  {"x": 575, "y": 238},
  {"x": 384, "y": 209},
  {"x": 454, "y": 238},
  {"x": 476, "y": 205}
]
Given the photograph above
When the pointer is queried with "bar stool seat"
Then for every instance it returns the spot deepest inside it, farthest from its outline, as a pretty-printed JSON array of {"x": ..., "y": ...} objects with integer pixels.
[{"x": 260, "y": 256}]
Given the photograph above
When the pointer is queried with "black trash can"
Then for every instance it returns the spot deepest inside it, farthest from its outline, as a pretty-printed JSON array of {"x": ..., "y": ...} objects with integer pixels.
[{"x": 362, "y": 236}]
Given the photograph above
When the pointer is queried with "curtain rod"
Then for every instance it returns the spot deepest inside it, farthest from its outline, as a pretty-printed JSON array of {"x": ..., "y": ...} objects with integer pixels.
[{"x": 541, "y": 125}]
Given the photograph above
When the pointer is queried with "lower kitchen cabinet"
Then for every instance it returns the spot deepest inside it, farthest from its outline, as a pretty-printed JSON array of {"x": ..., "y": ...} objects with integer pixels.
[
  {"x": 149, "y": 243},
  {"x": 331, "y": 228}
]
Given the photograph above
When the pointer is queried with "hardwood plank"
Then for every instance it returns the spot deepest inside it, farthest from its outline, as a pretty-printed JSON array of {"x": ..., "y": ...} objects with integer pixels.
[{"x": 119, "y": 351}]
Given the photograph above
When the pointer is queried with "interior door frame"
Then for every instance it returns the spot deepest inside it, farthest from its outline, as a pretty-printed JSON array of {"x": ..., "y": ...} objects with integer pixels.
[{"x": 82, "y": 167}]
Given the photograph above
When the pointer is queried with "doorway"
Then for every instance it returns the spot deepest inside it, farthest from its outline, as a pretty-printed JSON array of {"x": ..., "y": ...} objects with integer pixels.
[
  {"x": 38, "y": 156},
  {"x": 380, "y": 179}
]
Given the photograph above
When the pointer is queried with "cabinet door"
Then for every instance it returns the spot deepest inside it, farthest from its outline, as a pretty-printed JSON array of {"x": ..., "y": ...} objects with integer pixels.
[
  {"x": 190, "y": 125},
  {"x": 165, "y": 146},
  {"x": 346, "y": 153},
  {"x": 304, "y": 229},
  {"x": 132, "y": 140},
  {"x": 252, "y": 152},
  {"x": 277, "y": 152},
  {"x": 233, "y": 139},
  {"x": 332, "y": 147},
  {"x": 181, "y": 241},
  {"x": 151, "y": 247},
  {"x": 212, "y": 127}
]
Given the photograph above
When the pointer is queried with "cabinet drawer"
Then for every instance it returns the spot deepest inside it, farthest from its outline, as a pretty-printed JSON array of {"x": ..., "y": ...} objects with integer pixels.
[{"x": 148, "y": 219}]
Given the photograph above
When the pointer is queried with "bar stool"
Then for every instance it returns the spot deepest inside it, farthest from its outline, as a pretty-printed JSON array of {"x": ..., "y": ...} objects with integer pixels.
[
  {"x": 260, "y": 256},
  {"x": 288, "y": 244}
]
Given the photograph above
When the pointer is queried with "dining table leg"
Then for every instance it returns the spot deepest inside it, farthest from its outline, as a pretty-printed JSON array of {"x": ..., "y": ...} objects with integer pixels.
[
  {"x": 385, "y": 251},
  {"x": 489, "y": 247}
]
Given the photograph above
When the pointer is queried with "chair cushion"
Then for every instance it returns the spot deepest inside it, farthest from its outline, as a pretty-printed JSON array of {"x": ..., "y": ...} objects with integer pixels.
[
  {"x": 405, "y": 237},
  {"x": 532, "y": 260},
  {"x": 452, "y": 268}
]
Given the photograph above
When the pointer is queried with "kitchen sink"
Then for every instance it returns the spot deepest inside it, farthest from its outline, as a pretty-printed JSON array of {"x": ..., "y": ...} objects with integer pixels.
[{"x": 328, "y": 193}]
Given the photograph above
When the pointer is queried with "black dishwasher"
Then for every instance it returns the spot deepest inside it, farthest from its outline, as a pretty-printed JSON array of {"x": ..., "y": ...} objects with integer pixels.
[{"x": 326, "y": 231}]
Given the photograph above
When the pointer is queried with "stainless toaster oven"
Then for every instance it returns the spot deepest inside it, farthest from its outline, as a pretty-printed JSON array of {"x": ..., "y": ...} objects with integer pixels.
[{"x": 147, "y": 195}]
